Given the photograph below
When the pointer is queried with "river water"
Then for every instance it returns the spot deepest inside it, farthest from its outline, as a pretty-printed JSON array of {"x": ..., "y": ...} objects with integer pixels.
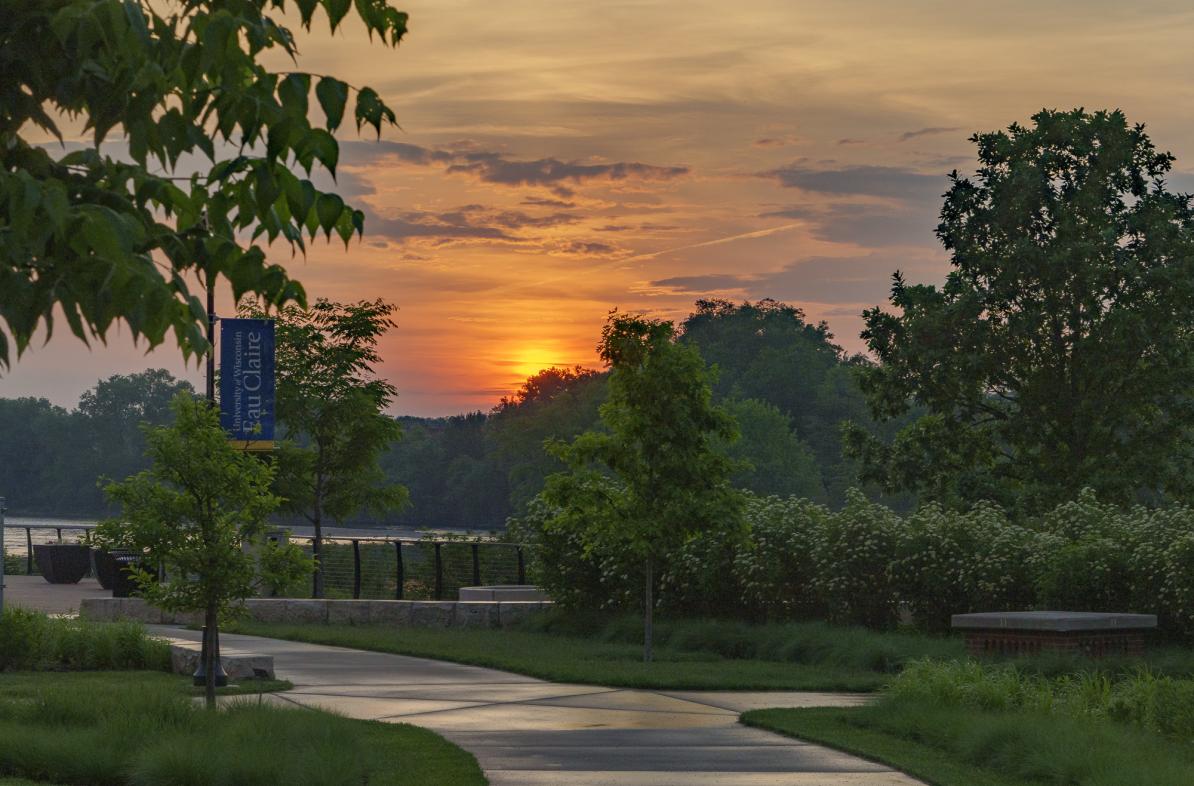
[{"x": 45, "y": 530}]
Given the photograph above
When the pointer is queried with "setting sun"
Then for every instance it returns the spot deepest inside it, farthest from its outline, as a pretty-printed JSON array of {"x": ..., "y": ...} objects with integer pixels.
[{"x": 529, "y": 360}]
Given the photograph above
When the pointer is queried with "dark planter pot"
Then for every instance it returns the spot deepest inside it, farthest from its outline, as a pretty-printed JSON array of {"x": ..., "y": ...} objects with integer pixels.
[
  {"x": 123, "y": 583},
  {"x": 62, "y": 563},
  {"x": 105, "y": 566}
]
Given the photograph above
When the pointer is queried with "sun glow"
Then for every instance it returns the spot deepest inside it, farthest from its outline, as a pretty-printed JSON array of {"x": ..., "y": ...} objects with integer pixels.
[{"x": 529, "y": 360}]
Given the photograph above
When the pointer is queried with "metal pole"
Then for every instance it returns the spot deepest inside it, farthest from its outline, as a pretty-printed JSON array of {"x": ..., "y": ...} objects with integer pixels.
[
  {"x": 211, "y": 340},
  {"x": 439, "y": 573},
  {"x": 401, "y": 573},
  {"x": 476, "y": 565},
  {"x": 2, "y": 510},
  {"x": 356, "y": 570},
  {"x": 522, "y": 566},
  {"x": 28, "y": 551}
]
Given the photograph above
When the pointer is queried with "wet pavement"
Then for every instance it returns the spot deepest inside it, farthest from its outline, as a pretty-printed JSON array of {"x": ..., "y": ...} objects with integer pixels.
[{"x": 528, "y": 732}]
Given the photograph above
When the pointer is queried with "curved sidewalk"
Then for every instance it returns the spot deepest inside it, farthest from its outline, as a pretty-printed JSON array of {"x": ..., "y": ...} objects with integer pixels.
[{"x": 528, "y": 732}]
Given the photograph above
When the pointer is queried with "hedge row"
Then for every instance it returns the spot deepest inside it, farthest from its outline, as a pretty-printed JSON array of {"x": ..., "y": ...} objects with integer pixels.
[{"x": 859, "y": 565}]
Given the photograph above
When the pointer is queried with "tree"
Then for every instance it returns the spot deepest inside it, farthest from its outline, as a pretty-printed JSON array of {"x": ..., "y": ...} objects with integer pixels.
[
  {"x": 654, "y": 477},
  {"x": 770, "y": 352},
  {"x": 770, "y": 457},
  {"x": 110, "y": 415},
  {"x": 108, "y": 238},
  {"x": 193, "y": 512},
  {"x": 331, "y": 405},
  {"x": 1058, "y": 353}
]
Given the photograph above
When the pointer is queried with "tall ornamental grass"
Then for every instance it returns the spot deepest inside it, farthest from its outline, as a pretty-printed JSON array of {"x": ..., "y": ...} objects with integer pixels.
[{"x": 32, "y": 641}]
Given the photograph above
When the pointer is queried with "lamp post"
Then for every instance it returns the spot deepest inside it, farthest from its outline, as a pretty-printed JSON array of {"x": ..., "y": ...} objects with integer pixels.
[{"x": 211, "y": 639}]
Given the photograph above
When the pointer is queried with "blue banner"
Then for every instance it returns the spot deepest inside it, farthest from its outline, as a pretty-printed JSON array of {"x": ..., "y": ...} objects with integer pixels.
[{"x": 247, "y": 381}]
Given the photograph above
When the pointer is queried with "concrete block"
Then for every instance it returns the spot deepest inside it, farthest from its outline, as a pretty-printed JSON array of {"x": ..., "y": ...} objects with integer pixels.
[
  {"x": 510, "y": 612},
  {"x": 389, "y": 612},
  {"x": 138, "y": 610},
  {"x": 182, "y": 618},
  {"x": 348, "y": 612},
  {"x": 184, "y": 658},
  {"x": 302, "y": 611},
  {"x": 478, "y": 614},
  {"x": 96, "y": 609},
  {"x": 266, "y": 609},
  {"x": 432, "y": 613}
]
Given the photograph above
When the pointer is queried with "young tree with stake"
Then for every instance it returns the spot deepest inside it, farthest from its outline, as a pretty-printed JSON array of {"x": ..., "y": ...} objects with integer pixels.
[{"x": 655, "y": 476}]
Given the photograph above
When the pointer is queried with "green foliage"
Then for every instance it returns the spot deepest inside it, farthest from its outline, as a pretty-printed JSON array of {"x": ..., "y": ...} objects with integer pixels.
[
  {"x": 1056, "y": 355},
  {"x": 772, "y": 458},
  {"x": 584, "y": 659},
  {"x": 141, "y": 731},
  {"x": 1159, "y": 704},
  {"x": 768, "y": 352},
  {"x": 665, "y": 481},
  {"x": 32, "y": 641},
  {"x": 194, "y": 512},
  {"x": 653, "y": 479},
  {"x": 331, "y": 405},
  {"x": 953, "y": 562},
  {"x": 111, "y": 238},
  {"x": 51, "y": 458},
  {"x": 951, "y": 746},
  {"x": 799, "y": 560}
]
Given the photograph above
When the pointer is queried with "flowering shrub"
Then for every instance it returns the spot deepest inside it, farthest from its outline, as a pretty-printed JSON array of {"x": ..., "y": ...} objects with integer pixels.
[
  {"x": 952, "y": 563},
  {"x": 852, "y": 560},
  {"x": 775, "y": 571},
  {"x": 800, "y": 560}
]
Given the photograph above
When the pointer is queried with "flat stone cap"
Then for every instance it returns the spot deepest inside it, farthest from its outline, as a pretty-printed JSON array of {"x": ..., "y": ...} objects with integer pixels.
[{"x": 1055, "y": 621}]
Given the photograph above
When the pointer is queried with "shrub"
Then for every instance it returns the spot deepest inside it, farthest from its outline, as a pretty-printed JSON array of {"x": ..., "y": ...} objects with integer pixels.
[
  {"x": 852, "y": 560},
  {"x": 799, "y": 561},
  {"x": 32, "y": 641},
  {"x": 775, "y": 571}
]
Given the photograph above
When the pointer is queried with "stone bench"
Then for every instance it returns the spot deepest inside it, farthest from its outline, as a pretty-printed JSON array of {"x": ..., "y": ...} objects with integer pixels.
[
  {"x": 398, "y": 613},
  {"x": 184, "y": 659},
  {"x": 1095, "y": 634},
  {"x": 501, "y": 592}
]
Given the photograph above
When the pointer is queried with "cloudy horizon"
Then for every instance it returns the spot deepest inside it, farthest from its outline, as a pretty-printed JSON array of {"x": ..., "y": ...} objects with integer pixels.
[{"x": 559, "y": 160}]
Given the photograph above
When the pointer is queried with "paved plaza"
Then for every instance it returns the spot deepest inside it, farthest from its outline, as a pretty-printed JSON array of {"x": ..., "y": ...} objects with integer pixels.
[
  {"x": 37, "y": 594},
  {"x": 527, "y": 732}
]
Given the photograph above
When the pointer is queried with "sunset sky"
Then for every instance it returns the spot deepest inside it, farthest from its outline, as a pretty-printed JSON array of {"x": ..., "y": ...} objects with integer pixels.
[{"x": 559, "y": 159}]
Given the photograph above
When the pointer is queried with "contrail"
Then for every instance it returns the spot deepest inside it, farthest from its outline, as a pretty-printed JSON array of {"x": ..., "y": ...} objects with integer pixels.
[{"x": 717, "y": 242}]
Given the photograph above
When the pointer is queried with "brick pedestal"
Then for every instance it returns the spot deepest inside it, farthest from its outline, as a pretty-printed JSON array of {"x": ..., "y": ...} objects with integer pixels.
[
  {"x": 1093, "y": 634},
  {"x": 1094, "y": 644}
]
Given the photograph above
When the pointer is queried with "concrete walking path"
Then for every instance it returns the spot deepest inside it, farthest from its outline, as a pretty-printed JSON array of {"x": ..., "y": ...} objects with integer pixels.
[{"x": 528, "y": 732}]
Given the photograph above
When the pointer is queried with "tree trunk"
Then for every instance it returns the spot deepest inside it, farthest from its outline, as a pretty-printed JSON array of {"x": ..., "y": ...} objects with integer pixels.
[
  {"x": 317, "y": 552},
  {"x": 648, "y": 616},
  {"x": 210, "y": 654}
]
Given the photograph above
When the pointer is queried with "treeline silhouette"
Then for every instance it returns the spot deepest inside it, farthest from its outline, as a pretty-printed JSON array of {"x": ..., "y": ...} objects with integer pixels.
[{"x": 783, "y": 378}]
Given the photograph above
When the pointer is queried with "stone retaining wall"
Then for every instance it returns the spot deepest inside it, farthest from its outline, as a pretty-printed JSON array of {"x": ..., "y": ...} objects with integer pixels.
[{"x": 414, "y": 613}]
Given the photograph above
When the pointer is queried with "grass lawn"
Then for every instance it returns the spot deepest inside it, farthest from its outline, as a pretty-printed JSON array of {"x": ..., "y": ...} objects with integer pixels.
[
  {"x": 133, "y": 728},
  {"x": 577, "y": 659},
  {"x": 956, "y": 746},
  {"x": 28, "y": 684}
]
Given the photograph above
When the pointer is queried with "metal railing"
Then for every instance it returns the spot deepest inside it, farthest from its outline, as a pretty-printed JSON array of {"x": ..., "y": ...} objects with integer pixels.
[
  {"x": 358, "y": 567},
  {"x": 412, "y": 569}
]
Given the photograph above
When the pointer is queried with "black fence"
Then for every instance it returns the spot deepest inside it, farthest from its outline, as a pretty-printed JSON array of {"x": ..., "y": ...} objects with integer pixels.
[
  {"x": 376, "y": 568},
  {"x": 424, "y": 569}
]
